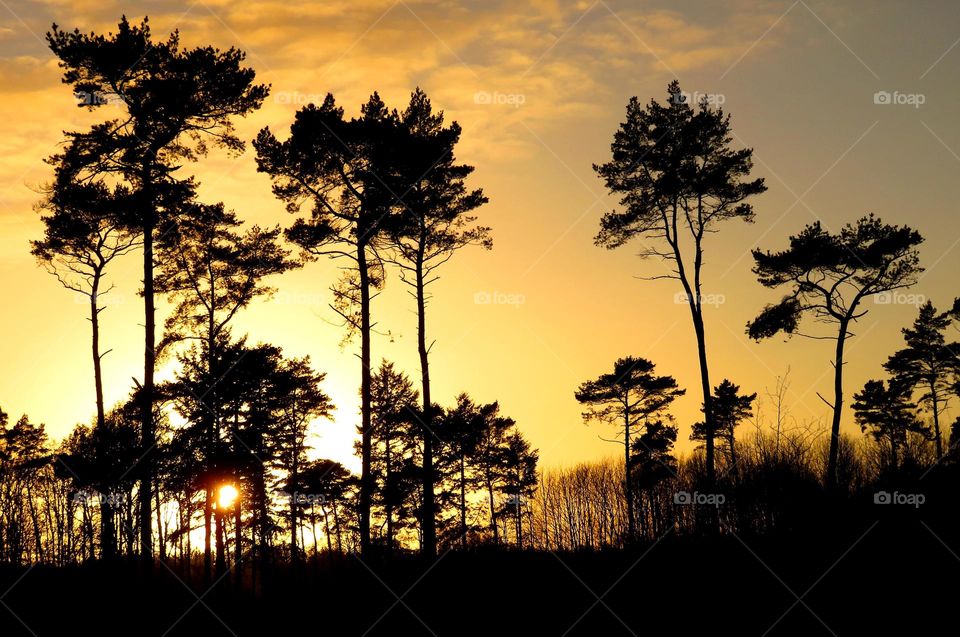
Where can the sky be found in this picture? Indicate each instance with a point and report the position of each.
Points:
(849, 110)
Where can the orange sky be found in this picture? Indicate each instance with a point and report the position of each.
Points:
(539, 89)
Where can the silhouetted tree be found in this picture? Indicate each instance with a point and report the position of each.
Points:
(329, 481)
(928, 364)
(628, 396)
(175, 103)
(302, 402)
(730, 408)
(336, 165)
(829, 276)
(460, 429)
(519, 479)
(886, 413)
(677, 178)
(651, 463)
(431, 224)
(213, 271)
(83, 234)
(395, 433)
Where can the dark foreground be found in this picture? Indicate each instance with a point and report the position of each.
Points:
(888, 576)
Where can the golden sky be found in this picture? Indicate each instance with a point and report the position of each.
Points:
(539, 88)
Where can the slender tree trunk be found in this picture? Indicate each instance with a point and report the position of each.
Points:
(463, 502)
(238, 535)
(837, 407)
(221, 561)
(366, 476)
(708, 416)
(429, 542)
(493, 509)
(149, 360)
(207, 532)
(108, 540)
(936, 417)
(627, 483)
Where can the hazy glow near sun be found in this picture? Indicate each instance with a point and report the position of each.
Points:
(226, 496)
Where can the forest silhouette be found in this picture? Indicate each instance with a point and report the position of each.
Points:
(196, 504)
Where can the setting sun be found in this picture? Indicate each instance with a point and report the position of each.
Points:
(227, 496)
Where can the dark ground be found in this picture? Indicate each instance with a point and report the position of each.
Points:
(885, 576)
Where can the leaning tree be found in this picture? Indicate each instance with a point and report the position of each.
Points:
(678, 179)
(829, 276)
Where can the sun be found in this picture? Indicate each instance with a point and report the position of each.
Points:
(226, 496)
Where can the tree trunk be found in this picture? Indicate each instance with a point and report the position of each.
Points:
(207, 532)
(366, 477)
(108, 540)
(463, 502)
(146, 399)
(429, 542)
(837, 408)
(627, 485)
(936, 417)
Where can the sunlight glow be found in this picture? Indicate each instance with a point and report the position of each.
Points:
(227, 496)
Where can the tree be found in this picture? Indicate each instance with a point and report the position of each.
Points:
(175, 103)
(628, 396)
(730, 408)
(336, 165)
(520, 479)
(886, 413)
(302, 402)
(460, 429)
(395, 430)
(213, 271)
(651, 463)
(677, 178)
(489, 456)
(830, 275)
(329, 481)
(433, 222)
(83, 234)
(928, 364)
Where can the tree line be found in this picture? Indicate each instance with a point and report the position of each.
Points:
(381, 192)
